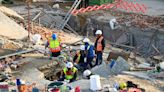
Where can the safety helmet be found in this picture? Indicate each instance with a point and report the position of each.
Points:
(86, 73)
(22, 82)
(123, 85)
(82, 47)
(98, 32)
(54, 36)
(69, 65)
(86, 40)
(162, 65)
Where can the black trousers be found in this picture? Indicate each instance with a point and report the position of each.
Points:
(55, 54)
(86, 3)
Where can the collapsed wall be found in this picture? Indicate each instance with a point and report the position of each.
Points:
(145, 33)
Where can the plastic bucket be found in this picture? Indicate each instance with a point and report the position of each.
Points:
(95, 82)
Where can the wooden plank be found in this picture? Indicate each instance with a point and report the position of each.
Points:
(122, 45)
(17, 53)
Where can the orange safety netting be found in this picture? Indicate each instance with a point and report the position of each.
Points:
(120, 4)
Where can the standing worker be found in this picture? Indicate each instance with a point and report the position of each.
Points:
(81, 4)
(89, 50)
(99, 47)
(54, 46)
(69, 73)
(86, 3)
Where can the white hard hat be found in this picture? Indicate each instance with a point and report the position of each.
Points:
(69, 65)
(162, 65)
(82, 47)
(86, 73)
(86, 40)
(22, 82)
(98, 32)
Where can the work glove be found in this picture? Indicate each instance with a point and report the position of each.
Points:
(85, 60)
(75, 64)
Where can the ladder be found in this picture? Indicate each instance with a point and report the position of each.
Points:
(68, 15)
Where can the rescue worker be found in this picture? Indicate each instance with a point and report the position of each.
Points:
(54, 46)
(86, 3)
(99, 47)
(69, 73)
(81, 4)
(89, 50)
(80, 59)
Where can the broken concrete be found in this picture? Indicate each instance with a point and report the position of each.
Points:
(11, 29)
(144, 36)
(31, 74)
(10, 12)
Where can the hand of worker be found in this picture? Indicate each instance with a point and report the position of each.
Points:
(85, 60)
(75, 64)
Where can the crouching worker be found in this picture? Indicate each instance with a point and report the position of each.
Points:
(54, 46)
(80, 59)
(69, 73)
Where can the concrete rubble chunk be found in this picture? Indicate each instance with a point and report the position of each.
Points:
(11, 29)
(140, 59)
(10, 12)
(116, 54)
(160, 57)
(104, 70)
(144, 65)
(101, 70)
(120, 65)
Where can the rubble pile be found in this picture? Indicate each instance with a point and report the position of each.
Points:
(11, 45)
(9, 28)
(9, 12)
(62, 36)
(37, 66)
(139, 20)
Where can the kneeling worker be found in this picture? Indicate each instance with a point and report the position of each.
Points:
(54, 46)
(80, 59)
(69, 73)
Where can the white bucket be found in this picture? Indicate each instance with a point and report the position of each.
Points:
(95, 82)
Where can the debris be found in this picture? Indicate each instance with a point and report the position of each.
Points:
(140, 59)
(159, 57)
(11, 45)
(62, 36)
(143, 75)
(160, 75)
(56, 6)
(144, 65)
(17, 53)
(36, 38)
(11, 29)
(101, 70)
(120, 65)
(115, 55)
(10, 12)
